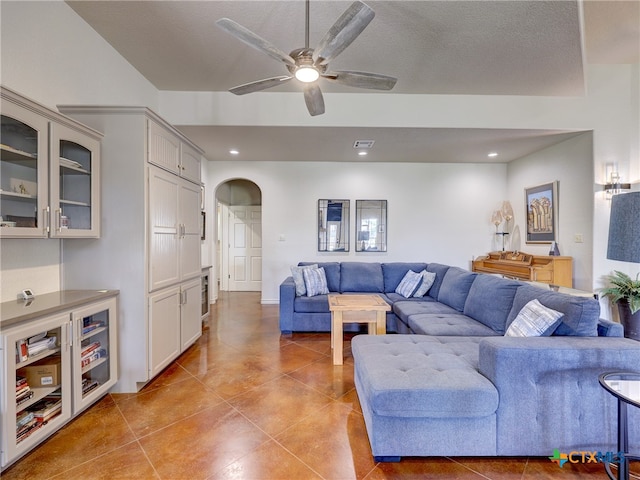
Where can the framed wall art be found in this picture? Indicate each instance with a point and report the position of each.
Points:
(371, 225)
(541, 203)
(333, 225)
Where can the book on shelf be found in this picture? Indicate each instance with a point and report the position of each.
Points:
(40, 346)
(27, 430)
(24, 418)
(91, 326)
(95, 355)
(46, 408)
(20, 382)
(87, 350)
(22, 351)
(22, 390)
(24, 398)
(89, 385)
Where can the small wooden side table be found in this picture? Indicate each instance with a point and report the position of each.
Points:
(355, 308)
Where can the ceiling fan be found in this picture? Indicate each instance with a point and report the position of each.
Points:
(308, 65)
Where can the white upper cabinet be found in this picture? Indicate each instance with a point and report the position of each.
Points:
(49, 172)
(167, 151)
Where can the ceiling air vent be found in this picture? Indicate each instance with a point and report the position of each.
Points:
(363, 143)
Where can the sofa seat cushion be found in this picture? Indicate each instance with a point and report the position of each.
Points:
(580, 313)
(396, 297)
(406, 307)
(362, 277)
(316, 304)
(455, 324)
(420, 376)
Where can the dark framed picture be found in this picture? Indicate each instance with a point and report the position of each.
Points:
(541, 203)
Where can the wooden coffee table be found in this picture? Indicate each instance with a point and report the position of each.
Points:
(355, 308)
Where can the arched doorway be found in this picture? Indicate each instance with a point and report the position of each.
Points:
(239, 239)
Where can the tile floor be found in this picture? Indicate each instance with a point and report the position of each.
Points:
(248, 403)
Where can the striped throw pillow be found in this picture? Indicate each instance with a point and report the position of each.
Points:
(315, 281)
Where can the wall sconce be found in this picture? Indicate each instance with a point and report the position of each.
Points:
(615, 186)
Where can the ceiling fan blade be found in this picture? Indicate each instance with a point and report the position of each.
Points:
(247, 36)
(351, 24)
(313, 99)
(374, 81)
(259, 85)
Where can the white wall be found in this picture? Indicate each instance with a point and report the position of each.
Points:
(49, 54)
(571, 164)
(436, 212)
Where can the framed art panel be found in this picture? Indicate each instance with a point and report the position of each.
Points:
(333, 225)
(541, 203)
(371, 225)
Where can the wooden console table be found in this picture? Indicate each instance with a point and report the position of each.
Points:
(553, 270)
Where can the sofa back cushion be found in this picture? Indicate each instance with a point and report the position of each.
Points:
(580, 313)
(361, 277)
(331, 271)
(394, 272)
(455, 287)
(490, 300)
(440, 271)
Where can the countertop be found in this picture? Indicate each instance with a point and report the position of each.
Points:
(19, 311)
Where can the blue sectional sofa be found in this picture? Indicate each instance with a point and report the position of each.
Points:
(451, 383)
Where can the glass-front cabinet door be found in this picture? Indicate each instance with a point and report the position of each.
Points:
(23, 173)
(94, 353)
(74, 187)
(37, 359)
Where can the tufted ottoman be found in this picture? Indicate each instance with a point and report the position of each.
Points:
(423, 396)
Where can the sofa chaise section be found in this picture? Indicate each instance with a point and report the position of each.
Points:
(499, 396)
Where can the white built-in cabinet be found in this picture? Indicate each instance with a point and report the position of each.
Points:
(174, 229)
(59, 356)
(150, 243)
(49, 172)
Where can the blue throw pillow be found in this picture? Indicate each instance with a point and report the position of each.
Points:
(298, 279)
(427, 281)
(315, 281)
(409, 284)
(534, 320)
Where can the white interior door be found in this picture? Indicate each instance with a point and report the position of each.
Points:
(245, 248)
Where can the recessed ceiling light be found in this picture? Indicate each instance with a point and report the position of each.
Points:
(233, 151)
(362, 153)
(493, 154)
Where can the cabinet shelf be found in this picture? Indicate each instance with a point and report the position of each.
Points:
(91, 333)
(94, 364)
(73, 202)
(39, 356)
(19, 157)
(69, 170)
(38, 394)
(22, 197)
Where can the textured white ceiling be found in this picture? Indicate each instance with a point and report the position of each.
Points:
(480, 47)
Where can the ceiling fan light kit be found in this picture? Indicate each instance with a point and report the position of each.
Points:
(308, 65)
